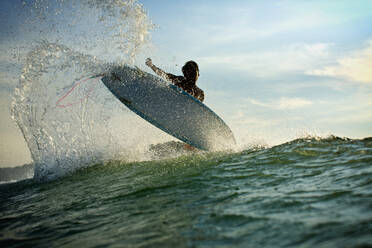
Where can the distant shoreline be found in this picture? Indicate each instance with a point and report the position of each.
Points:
(9, 174)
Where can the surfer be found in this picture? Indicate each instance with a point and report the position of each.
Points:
(187, 82)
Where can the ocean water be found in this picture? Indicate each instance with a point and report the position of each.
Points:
(306, 193)
(103, 177)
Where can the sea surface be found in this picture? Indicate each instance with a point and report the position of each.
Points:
(309, 192)
(103, 177)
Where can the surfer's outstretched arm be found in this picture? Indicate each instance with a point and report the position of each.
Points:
(160, 72)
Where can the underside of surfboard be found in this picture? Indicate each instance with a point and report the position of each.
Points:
(169, 108)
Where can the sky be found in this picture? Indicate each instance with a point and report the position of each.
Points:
(273, 70)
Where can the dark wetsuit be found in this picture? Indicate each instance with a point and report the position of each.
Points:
(186, 85)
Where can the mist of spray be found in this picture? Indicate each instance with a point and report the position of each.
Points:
(67, 116)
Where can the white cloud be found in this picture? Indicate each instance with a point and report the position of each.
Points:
(249, 21)
(292, 103)
(356, 67)
(240, 118)
(258, 103)
(295, 58)
(283, 103)
(358, 116)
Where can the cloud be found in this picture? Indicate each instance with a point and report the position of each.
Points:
(259, 103)
(356, 67)
(358, 116)
(292, 103)
(294, 58)
(283, 103)
(237, 21)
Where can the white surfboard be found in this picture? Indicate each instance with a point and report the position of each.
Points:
(169, 108)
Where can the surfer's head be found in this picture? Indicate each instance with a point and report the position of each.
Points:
(191, 70)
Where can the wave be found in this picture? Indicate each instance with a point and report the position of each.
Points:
(311, 151)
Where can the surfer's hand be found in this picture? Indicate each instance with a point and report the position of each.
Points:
(149, 62)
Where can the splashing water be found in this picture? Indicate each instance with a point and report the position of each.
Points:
(95, 128)
(114, 30)
(82, 93)
(68, 119)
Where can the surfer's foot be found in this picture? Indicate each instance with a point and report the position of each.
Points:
(189, 147)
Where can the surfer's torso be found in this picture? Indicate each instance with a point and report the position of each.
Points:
(187, 85)
(187, 82)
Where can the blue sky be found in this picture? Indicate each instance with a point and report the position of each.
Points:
(273, 70)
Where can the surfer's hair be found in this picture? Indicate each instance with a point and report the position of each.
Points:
(190, 70)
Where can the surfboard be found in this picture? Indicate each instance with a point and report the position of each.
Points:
(169, 108)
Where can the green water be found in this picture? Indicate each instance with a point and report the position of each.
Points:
(306, 193)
